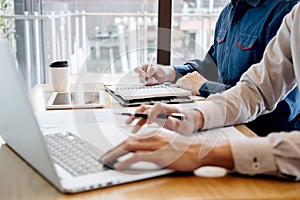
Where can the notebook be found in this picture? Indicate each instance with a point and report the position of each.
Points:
(23, 134)
(134, 95)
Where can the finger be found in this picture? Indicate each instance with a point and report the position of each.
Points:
(154, 111)
(141, 74)
(152, 81)
(142, 78)
(129, 145)
(173, 124)
(113, 154)
(129, 120)
(137, 70)
(136, 157)
(151, 70)
(138, 125)
(150, 75)
(144, 68)
(160, 108)
(165, 107)
(142, 108)
(126, 163)
(171, 109)
(141, 69)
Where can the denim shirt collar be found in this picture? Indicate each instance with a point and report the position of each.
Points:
(253, 3)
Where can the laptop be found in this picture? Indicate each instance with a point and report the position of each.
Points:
(40, 146)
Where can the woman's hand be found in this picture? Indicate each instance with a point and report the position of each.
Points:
(174, 151)
(155, 74)
(193, 119)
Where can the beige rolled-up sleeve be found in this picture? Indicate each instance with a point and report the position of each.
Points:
(277, 154)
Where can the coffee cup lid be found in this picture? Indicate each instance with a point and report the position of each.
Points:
(59, 64)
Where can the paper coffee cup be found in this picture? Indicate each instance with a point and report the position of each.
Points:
(60, 76)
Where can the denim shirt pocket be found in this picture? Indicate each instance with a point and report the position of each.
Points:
(246, 42)
(221, 36)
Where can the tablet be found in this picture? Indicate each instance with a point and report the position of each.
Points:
(71, 100)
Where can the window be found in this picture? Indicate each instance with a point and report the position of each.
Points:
(103, 37)
(193, 25)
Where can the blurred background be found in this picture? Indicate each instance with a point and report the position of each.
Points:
(107, 37)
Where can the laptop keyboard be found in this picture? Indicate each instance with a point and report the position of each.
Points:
(70, 153)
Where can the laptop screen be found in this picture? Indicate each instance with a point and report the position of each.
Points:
(18, 126)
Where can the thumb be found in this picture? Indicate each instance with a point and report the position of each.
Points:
(173, 124)
(150, 71)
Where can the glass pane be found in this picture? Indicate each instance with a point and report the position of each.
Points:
(96, 36)
(119, 34)
(193, 28)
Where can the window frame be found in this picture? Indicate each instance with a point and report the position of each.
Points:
(164, 32)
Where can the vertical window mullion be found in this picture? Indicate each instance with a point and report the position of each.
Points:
(164, 32)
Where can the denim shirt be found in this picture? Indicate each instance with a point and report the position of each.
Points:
(242, 33)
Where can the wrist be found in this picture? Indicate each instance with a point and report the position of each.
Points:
(198, 119)
(199, 85)
(220, 155)
(196, 90)
(170, 74)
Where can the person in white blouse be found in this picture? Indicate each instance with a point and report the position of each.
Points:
(258, 92)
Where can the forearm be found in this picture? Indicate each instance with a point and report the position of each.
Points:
(218, 155)
(182, 70)
(206, 67)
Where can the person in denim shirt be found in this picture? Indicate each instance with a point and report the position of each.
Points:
(242, 33)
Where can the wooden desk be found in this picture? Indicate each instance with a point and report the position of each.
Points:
(19, 181)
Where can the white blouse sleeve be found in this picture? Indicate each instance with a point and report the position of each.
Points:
(277, 154)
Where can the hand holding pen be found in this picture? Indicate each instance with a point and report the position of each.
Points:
(147, 114)
(154, 74)
(166, 116)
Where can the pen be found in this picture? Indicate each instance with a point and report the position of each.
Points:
(179, 116)
(149, 65)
